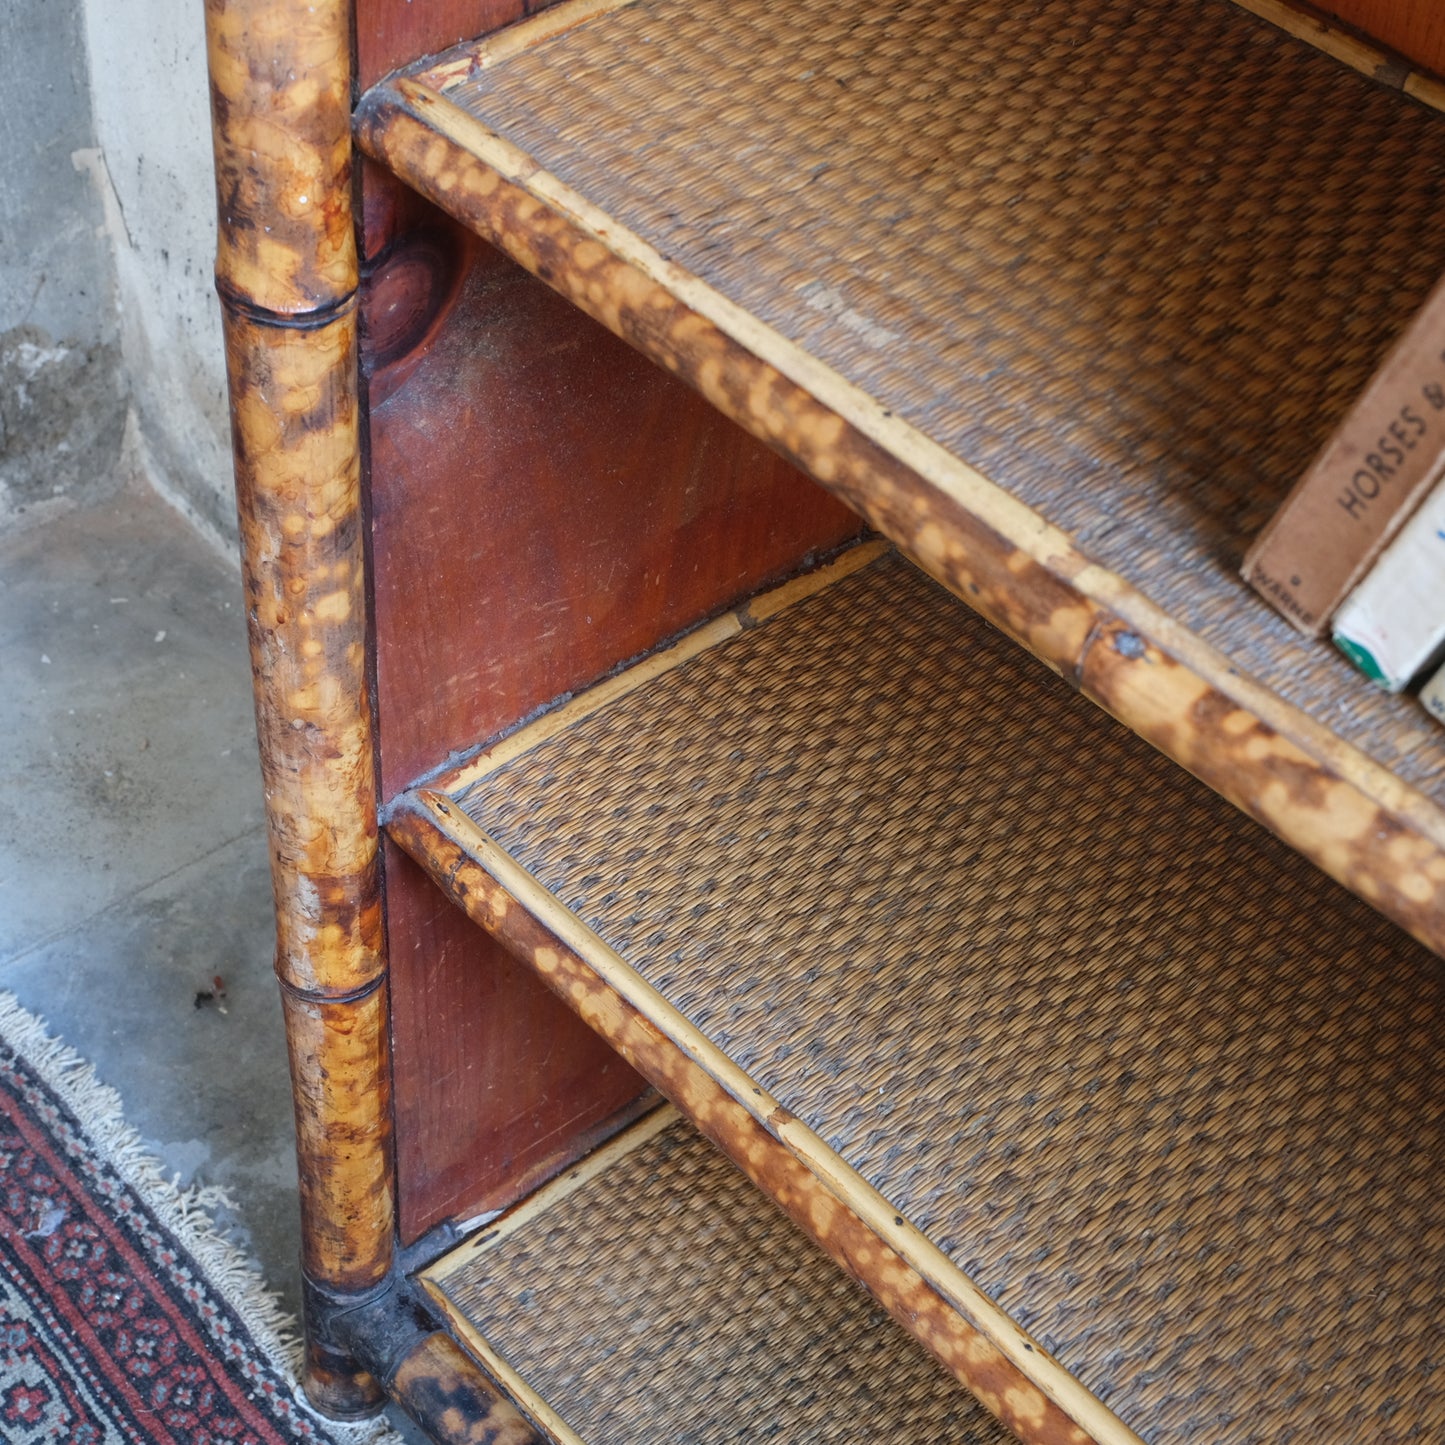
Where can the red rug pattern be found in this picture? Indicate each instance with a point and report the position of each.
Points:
(111, 1331)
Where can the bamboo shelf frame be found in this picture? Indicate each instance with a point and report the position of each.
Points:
(652, 1295)
(1130, 1136)
(1083, 1113)
(1101, 526)
(287, 274)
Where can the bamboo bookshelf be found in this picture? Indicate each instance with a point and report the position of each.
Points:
(1117, 1087)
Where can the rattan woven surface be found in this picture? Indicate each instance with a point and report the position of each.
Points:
(1170, 1096)
(668, 1303)
(1131, 258)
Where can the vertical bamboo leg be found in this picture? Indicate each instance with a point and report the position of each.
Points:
(286, 272)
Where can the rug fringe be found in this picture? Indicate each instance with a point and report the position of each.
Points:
(186, 1212)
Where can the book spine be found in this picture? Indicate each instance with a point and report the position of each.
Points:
(1393, 624)
(1433, 695)
(1365, 481)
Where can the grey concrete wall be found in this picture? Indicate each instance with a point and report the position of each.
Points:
(107, 311)
(62, 391)
(54, 268)
(152, 123)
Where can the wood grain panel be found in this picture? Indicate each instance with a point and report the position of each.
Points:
(545, 502)
(1416, 28)
(497, 1085)
(392, 33)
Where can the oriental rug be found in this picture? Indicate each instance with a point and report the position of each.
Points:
(126, 1317)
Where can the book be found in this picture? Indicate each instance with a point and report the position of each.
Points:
(1381, 459)
(1393, 624)
(1433, 695)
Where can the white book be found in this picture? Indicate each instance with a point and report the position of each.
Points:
(1392, 625)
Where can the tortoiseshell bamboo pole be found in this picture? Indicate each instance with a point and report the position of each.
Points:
(287, 274)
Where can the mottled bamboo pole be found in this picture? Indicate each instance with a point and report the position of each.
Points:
(287, 274)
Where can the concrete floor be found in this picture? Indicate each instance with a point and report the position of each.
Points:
(133, 866)
(133, 869)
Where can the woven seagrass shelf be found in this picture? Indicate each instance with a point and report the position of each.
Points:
(654, 1296)
(1010, 1007)
(1042, 931)
(1061, 300)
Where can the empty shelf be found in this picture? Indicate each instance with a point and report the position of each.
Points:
(1153, 1105)
(653, 1295)
(1117, 269)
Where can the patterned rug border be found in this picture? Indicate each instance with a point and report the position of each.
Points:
(186, 1213)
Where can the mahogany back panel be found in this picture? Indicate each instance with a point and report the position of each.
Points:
(1416, 28)
(544, 505)
(393, 33)
(497, 1085)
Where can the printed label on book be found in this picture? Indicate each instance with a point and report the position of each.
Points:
(1365, 482)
